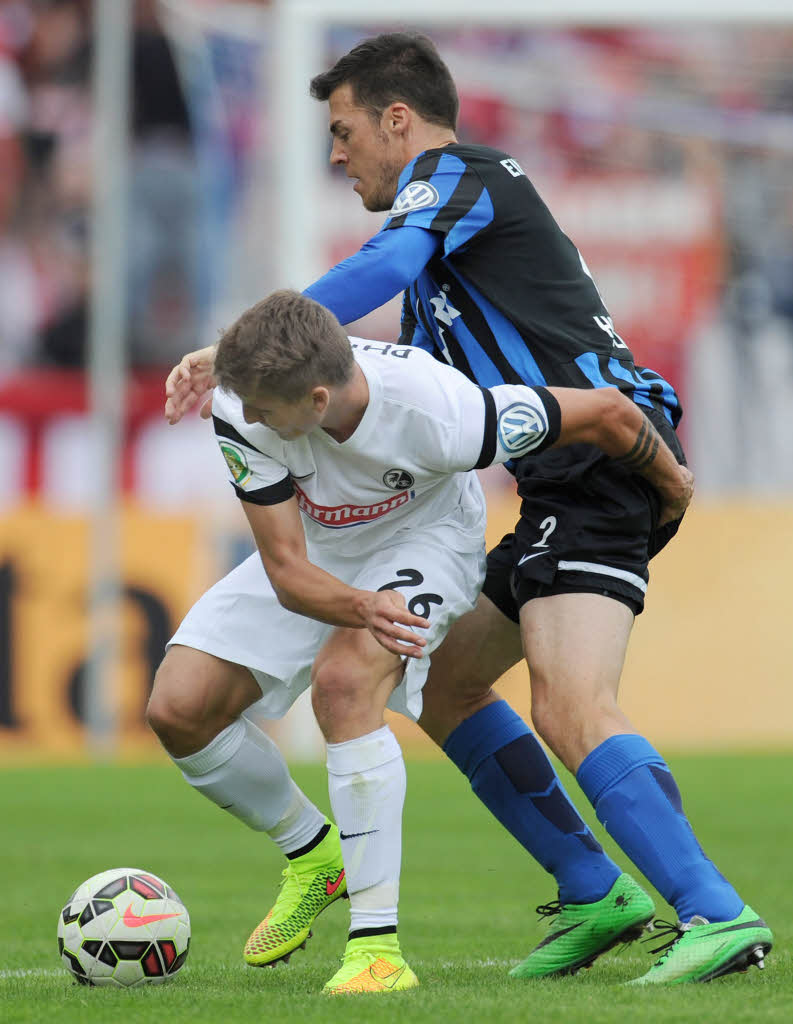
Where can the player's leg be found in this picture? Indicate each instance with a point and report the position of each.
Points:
(352, 679)
(507, 767)
(596, 526)
(478, 650)
(196, 709)
(201, 692)
(575, 646)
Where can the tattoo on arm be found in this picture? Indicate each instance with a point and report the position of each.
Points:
(644, 449)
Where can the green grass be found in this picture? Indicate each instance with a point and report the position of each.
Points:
(468, 893)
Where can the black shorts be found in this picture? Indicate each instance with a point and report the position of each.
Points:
(586, 526)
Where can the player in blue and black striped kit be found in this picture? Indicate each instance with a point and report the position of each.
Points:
(492, 285)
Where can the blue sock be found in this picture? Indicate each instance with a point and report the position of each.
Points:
(512, 776)
(635, 796)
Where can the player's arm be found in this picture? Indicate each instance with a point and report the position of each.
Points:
(417, 227)
(302, 587)
(608, 419)
(190, 381)
(520, 421)
(411, 331)
(382, 267)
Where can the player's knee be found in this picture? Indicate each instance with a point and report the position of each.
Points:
(165, 716)
(338, 682)
(552, 718)
(195, 696)
(443, 709)
(176, 714)
(468, 690)
(570, 726)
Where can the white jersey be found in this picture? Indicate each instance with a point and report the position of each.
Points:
(405, 464)
(390, 507)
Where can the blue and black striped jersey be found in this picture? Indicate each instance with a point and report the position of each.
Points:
(507, 297)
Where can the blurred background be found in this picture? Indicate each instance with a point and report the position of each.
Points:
(664, 149)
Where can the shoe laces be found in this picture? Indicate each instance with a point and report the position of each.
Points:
(360, 955)
(290, 891)
(673, 931)
(549, 909)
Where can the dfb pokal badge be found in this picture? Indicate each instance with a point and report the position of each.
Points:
(236, 461)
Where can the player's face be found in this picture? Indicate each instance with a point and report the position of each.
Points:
(289, 420)
(365, 149)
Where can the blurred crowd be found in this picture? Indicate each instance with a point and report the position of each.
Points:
(711, 101)
(45, 188)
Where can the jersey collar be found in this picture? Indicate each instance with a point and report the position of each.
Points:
(364, 430)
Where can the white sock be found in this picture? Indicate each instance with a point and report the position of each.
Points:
(242, 771)
(366, 782)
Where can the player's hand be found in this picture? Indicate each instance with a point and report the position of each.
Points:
(677, 499)
(190, 381)
(386, 616)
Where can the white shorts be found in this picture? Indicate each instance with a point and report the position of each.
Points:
(240, 619)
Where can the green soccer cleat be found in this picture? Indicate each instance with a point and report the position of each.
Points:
(583, 931)
(311, 883)
(371, 964)
(701, 951)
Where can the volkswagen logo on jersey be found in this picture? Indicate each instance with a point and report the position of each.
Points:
(417, 195)
(521, 427)
(398, 479)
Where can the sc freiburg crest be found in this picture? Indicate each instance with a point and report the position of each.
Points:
(417, 195)
(521, 428)
(398, 479)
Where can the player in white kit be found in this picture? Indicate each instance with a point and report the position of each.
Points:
(351, 460)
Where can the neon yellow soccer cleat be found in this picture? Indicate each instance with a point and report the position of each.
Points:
(372, 964)
(310, 884)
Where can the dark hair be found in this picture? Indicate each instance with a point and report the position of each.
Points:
(285, 345)
(395, 66)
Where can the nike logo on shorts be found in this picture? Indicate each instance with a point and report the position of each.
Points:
(536, 554)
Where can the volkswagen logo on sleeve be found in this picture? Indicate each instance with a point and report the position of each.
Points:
(521, 427)
(417, 195)
(398, 479)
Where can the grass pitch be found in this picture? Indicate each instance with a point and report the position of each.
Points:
(467, 906)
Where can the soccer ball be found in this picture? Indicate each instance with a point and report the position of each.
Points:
(123, 927)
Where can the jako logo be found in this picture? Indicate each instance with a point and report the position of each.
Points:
(418, 195)
(521, 428)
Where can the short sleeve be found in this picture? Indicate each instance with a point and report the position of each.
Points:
(256, 477)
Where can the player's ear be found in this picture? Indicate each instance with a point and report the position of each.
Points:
(396, 118)
(320, 397)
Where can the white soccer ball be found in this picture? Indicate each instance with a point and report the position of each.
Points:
(123, 927)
